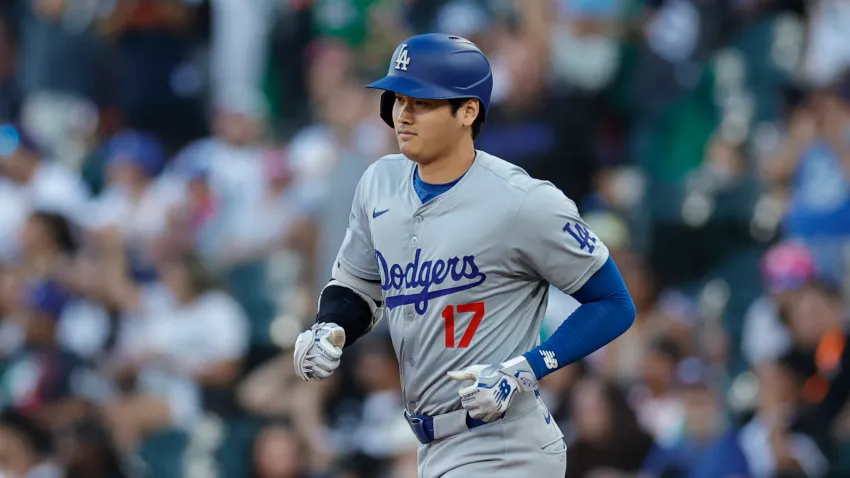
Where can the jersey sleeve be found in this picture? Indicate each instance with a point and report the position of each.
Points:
(357, 252)
(553, 242)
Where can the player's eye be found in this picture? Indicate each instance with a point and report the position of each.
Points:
(423, 103)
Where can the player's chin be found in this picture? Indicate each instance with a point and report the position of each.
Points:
(409, 148)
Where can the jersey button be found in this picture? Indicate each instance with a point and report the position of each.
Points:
(418, 218)
(415, 240)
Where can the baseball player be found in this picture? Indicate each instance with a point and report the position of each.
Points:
(455, 248)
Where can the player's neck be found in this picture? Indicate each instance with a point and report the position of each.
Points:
(447, 168)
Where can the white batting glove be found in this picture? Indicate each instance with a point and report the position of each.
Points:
(318, 350)
(494, 387)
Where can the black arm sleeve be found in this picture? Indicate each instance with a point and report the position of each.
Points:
(345, 308)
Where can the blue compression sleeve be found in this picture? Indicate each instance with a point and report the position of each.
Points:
(606, 311)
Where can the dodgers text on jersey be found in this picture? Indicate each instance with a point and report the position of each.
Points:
(462, 274)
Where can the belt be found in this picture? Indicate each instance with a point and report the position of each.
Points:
(429, 428)
(446, 425)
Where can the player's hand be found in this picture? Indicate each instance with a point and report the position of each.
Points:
(318, 350)
(493, 387)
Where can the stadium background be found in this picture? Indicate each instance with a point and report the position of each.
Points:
(177, 176)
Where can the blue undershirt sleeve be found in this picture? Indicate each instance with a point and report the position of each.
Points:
(605, 313)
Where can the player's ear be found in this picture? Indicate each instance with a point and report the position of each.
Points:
(470, 111)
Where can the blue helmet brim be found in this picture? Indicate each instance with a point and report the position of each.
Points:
(413, 88)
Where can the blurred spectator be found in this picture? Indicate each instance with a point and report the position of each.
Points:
(544, 131)
(813, 161)
(587, 54)
(819, 327)
(62, 74)
(157, 83)
(659, 314)
(60, 52)
(556, 393)
(707, 445)
(225, 218)
(8, 89)
(827, 55)
(26, 448)
(239, 46)
(86, 451)
(277, 453)
(87, 325)
(166, 345)
(658, 407)
(608, 438)
(267, 391)
(786, 437)
(49, 248)
(328, 158)
(278, 220)
(785, 267)
(232, 165)
(136, 201)
(310, 407)
(34, 183)
(341, 128)
(48, 244)
(382, 431)
(39, 377)
(624, 360)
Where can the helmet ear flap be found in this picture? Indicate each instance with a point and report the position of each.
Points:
(387, 101)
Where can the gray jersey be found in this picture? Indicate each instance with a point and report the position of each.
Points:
(464, 277)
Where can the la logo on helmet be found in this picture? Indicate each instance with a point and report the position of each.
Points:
(403, 60)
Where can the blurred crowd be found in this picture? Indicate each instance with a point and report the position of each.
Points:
(177, 177)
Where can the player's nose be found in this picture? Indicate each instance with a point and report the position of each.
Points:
(404, 116)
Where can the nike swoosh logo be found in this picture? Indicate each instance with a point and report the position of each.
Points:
(376, 213)
(548, 417)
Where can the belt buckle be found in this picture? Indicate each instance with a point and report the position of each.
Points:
(417, 425)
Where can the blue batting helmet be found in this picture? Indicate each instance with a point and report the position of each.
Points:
(436, 66)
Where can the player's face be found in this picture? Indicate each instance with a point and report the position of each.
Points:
(425, 129)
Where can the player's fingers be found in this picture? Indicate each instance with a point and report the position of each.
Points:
(322, 374)
(337, 337)
(477, 414)
(468, 392)
(305, 370)
(461, 375)
(326, 349)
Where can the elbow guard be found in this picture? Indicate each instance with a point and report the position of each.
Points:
(349, 302)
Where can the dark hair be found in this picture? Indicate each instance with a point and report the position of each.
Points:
(201, 278)
(456, 103)
(668, 348)
(799, 364)
(60, 230)
(35, 435)
(279, 423)
(827, 288)
(283, 422)
(623, 417)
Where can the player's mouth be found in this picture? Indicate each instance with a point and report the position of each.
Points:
(406, 134)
